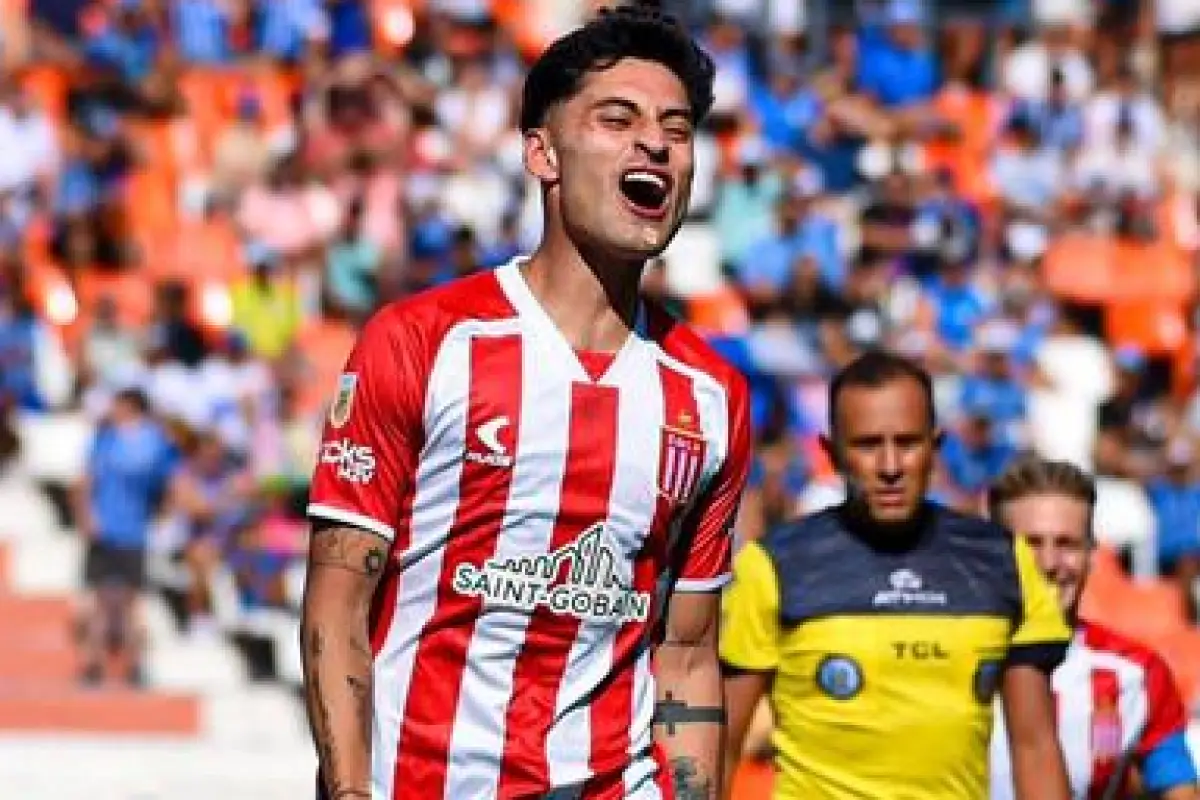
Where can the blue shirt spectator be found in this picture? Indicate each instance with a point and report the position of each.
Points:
(201, 31)
(128, 467)
(124, 46)
(959, 306)
(349, 27)
(901, 69)
(784, 108)
(18, 344)
(1176, 502)
(287, 26)
(973, 458)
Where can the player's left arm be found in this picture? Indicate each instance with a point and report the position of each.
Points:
(1036, 648)
(1164, 761)
(690, 716)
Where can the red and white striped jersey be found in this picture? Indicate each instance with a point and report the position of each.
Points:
(1116, 702)
(540, 504)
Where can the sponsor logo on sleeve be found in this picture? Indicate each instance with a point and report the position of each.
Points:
(343, 401)
(355, 463)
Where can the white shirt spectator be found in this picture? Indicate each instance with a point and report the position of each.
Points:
(1177, 16)
(1062, 418)
(1110, 171)
(28, 149)
(1026, 72)
(1102, 112)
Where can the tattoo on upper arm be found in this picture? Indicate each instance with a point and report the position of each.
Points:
(689, 784)
(334, 547)
(671, 713)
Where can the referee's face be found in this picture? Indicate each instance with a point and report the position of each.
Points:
(885, 445)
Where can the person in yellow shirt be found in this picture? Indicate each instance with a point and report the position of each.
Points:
(882, 628)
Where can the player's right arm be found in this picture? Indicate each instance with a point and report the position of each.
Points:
(750, 635)
(365, 465)
(1164, 761)
(344, 565)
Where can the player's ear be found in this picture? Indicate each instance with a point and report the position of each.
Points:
(541, 158)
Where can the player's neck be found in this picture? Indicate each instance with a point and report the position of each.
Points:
(593, 303)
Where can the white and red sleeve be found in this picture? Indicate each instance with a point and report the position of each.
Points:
(707, 564)
(1165, 708)
(373, 432)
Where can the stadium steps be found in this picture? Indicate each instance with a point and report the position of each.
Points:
(38, 675)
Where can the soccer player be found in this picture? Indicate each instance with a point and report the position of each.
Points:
(1119, 713)
(883, 627)
(526, 482)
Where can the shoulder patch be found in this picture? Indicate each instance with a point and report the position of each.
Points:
(343, 401)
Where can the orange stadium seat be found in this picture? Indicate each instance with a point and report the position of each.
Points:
(1088, 268)
(47, 85)
(325, 345)
(150, 201)
(1157, 327)
(1142, 610)
(718, 312)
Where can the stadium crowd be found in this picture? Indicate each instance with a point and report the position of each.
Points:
(201, 200)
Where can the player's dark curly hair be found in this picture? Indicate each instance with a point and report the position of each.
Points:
(636, 30)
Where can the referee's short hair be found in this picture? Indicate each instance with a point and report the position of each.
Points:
(874, 369)
(1031, 475)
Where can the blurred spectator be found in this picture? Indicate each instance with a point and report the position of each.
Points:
(291, 213)
(992, 386)
(898, 68)
(1028, 175)
(288, 28)
(352, 267)
(1115, 178)
(476, 112)
(202, 31)
(126, 474)
(958, 305)
(266, 305)
(744, 211)
(112, 354)
(210, 496)
(29, 151)
(20, 333)
(1175, 496)
(1128, 423)
(1124, 109)
(241, 153)
(974, 454)
(1028, 69)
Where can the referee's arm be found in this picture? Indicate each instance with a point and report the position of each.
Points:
(1038, 646)
(749, 646)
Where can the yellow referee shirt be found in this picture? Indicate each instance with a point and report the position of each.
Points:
(886, 660)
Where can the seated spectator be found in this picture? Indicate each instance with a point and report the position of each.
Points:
(127, 471)
(264, 551)
(1125, 104)
(351, 268)
(900, 69)
(286, 31)
(20, 332)
(241, 152)
(202, 31)
(1175, 497)
(744, 212)
(1028, 176)
(993, 386)
(1026, 70)
(112, 353)
(266, 306)
(1116, 182)
(210, 495)
(957, 304)
(974, 455)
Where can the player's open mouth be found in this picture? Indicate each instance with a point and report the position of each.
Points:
(646, 191)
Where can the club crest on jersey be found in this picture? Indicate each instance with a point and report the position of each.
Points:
(681, 460)
(343, 401)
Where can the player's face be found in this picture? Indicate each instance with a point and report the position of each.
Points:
(885, 444)
(1056, 527)
(618, 160)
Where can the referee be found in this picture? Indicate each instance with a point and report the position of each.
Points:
(882, 628)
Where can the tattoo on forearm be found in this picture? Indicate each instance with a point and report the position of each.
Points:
(331, 547)
(671, 713)
(689, 784)
(359, 686)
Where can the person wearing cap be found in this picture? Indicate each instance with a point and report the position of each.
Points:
(976, 453)
(1175, 497)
